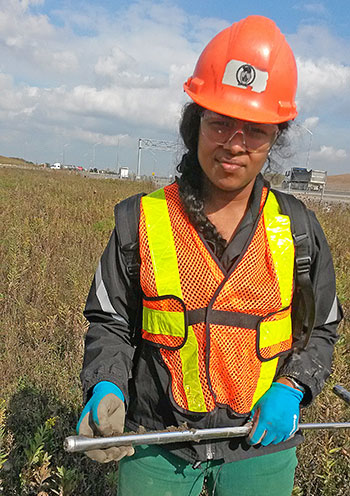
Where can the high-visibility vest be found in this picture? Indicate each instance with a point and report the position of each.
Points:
(220, 335)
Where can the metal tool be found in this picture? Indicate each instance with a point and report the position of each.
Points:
(342, 393)
(81, 443)
(74, 444)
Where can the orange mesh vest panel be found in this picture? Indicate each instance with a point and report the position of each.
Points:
(220, 335)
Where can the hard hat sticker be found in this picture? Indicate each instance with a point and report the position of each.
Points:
(243, 75)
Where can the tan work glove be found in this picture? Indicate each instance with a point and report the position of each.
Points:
(104, 415)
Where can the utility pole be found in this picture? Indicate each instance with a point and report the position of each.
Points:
(64, 154)
(117, 154)
(94, 154)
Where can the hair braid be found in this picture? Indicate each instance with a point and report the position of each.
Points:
(191, 195)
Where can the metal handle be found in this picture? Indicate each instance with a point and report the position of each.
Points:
(342, 393)
(75, 444)
(82, 443)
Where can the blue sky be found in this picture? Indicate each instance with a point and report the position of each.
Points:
(83, 81)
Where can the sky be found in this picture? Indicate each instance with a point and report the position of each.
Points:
(82, 82)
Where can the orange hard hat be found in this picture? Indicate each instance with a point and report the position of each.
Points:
(247, 71)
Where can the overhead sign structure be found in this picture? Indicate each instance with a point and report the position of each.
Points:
(162, 145)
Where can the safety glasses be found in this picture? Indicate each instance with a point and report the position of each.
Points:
(221, 129)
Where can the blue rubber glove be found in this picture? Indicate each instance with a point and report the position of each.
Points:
(104, 414)
(99, 392)
(275, 415)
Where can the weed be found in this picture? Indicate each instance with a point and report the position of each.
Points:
(68, 480)
(54, 229)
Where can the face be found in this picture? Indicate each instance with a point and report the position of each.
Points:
(234, 165)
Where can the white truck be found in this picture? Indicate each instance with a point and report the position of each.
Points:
(123, 172)
(56, 165)
(300, 178)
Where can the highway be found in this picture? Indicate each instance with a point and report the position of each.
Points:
(328, 196)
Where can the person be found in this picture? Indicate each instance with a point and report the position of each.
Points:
(200, 329)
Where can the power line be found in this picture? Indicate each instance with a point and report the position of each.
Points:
(162, 145)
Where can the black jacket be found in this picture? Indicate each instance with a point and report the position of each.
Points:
(114, 351)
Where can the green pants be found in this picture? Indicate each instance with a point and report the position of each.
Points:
(153, 471)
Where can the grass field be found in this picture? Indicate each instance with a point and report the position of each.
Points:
(53, 231)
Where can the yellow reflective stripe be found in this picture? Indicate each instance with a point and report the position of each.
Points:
(172, 324)
(165, 323)
(190, 372)
(161, 244)
(267, 374)
(281, 245)
(274, 332)
(282, 250)
(166, 273)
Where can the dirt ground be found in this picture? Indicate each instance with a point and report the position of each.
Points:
(340, 182)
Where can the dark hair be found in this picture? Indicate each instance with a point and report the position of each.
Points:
(190, 182)
(189, 126)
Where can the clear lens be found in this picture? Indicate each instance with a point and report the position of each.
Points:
(221, 129)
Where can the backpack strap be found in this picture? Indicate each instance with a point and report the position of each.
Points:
(304, 243)
(127, 216)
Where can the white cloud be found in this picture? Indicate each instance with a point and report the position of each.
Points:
(27, 3)
(333, 160)
(329, 153)
(101, 139)
(318, 78)
(317, 8)
(116, 62)
(322, 82)
(31, 46)
(112, 76)
(122, 69)
(20, 28)
(16, 100)
(311, 122)
(157, 107)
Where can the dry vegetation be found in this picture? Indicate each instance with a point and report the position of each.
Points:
(14, 161)
(54, 228)
(339, 182)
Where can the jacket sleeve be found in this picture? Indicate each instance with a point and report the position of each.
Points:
(313, 365)
(113, 311)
